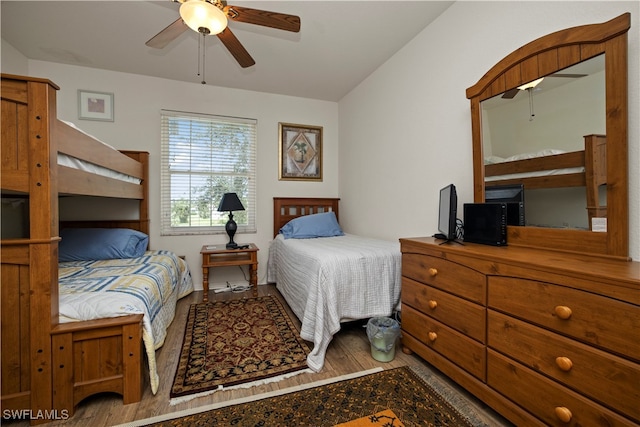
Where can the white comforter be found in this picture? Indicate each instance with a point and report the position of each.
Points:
(329, 280)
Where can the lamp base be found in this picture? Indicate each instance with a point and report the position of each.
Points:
(231, 227)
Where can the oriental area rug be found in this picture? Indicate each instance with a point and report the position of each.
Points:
(395, 397)
(234, 343)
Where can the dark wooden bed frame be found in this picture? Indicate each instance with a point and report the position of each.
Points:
(47, 365)
(287, 208)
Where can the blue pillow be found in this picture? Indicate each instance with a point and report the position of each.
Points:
(87, 244)
(310, 226)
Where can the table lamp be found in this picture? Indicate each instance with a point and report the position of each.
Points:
(230, 202)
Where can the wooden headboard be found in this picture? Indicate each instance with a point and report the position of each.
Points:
(287, 208)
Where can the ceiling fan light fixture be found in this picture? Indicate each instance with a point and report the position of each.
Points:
(199, 14)
(532, 84)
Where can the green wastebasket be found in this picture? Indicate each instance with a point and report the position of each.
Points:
(383, 332)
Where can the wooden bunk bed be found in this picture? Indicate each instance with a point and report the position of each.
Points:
(46, 365)
(586, 168)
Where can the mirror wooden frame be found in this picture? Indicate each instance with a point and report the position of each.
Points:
(545, 56)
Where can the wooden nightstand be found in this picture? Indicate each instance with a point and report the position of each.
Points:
(220, 256)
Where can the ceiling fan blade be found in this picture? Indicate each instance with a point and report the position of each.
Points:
(511, 93)
(572, 76)
(276, 20)
(166, 36)
(235, 47)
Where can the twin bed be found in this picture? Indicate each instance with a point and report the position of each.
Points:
(328, 277)
(150, 284)
(57, 347)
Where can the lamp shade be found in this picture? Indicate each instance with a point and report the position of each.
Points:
(229, 203)
(199, 14)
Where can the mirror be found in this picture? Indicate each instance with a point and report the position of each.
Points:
(552, 117)
(557, 53)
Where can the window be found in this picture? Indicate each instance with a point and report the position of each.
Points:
(203, 157)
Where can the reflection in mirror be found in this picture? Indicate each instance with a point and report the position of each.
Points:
(606, 160)
(550, 118)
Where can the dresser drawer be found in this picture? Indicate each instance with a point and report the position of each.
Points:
(545, 398)
(446, 275)
(590, 318)
(594, 373)
(459, 349)
(460, 314)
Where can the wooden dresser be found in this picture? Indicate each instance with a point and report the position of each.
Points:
(543, 337)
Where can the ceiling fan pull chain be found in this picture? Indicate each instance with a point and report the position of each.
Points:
(203, 58)
(532, 115)
(199, 47)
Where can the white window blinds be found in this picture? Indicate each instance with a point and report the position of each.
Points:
(203, 157)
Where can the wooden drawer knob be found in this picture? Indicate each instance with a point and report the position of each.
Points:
(563, 414)
(564, 363)
(433, 271)
(432, 336)
(432, 304)
(563, 312)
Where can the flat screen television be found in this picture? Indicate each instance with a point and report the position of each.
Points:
(448, 210)
(513, 196)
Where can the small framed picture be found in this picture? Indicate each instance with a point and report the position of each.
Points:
(95, 105)
(300, 152)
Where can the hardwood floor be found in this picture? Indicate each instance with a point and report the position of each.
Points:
(349, 352)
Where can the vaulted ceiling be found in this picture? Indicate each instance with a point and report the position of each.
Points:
(339, 44)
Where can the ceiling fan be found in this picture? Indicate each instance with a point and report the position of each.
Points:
(210, 17)
(511, 93)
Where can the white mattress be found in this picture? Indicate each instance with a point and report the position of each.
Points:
(75, 163)
(330, 280)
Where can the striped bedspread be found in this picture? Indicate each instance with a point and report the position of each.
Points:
(150, 285)
(330, 280)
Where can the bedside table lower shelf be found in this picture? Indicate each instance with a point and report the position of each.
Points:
(219, 256)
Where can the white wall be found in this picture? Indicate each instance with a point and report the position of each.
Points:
(138, 100)
(13, 62)
(563, 116)
(405, 131)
